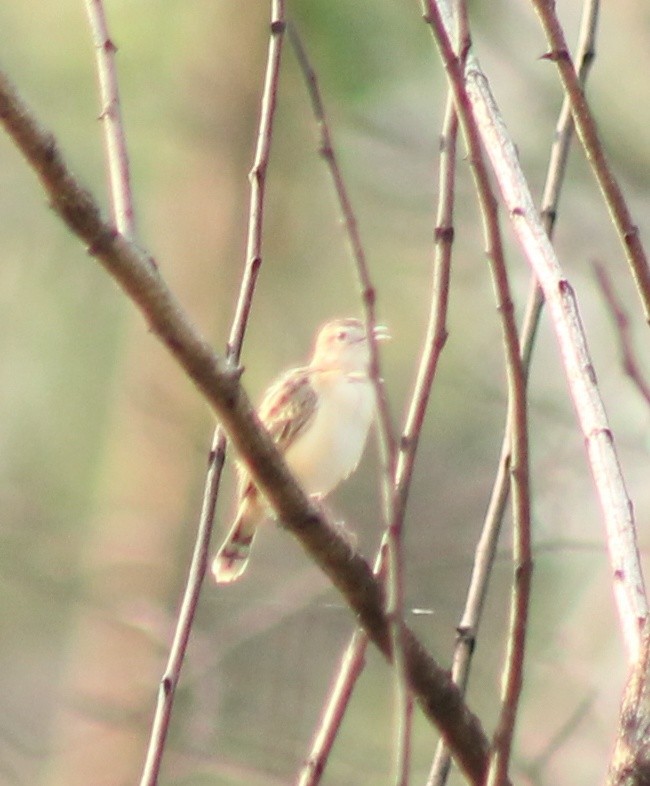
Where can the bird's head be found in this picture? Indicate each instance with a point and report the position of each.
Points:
(343, 344)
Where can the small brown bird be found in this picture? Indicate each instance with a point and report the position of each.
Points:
(319, 415)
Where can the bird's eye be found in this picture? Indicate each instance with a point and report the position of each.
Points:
(341, 335)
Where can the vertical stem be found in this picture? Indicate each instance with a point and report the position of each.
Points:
(352, 660)
(486, 547)
(517, 406)
(199, 560)
(387, 442)
(116, 149)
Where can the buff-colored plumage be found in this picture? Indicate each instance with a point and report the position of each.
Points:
(320, 416)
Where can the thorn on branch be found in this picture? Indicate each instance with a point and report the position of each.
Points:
(50, 151)
(555, 55)
(167, 685)
(102, 243)
(217, 454)
(255, 265)
(444, 234)
(549, 215)
(234, 373)
(467, 635)
(369, 296)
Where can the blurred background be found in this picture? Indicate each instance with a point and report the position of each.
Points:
(103, 444)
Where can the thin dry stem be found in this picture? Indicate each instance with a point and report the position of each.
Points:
(217, 456)
(517, 407)
(137, 274)
(395, 588)
(368, 292)
(487, 543)
(622, 322)
(627, 576)
(436, 336)
(338, 699)
(116, 149)
(587, 130)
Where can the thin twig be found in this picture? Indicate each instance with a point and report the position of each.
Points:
(513, 669)
(338, 699)
(368, 292)
(534, 771)
(436, 337)
(486, 547)
(622, 322)
(435, 340)
(137, 274)
(395, 588)
(116, 149)
(627, 576)
(217, 456)
(587, 130)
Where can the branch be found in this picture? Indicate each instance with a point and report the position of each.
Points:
(517, 409)
(352, 660)
(368, 292)
(338, 698)
(622, 321)
(116, 150)
(387, 442)
(486, 547)
(198, 565)
(587, 130)
(476, 103)
(137, 274)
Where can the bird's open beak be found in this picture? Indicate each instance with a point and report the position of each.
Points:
(381, 333)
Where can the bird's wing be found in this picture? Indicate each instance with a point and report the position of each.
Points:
(289, 406)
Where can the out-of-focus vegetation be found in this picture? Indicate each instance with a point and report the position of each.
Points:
(103, 443)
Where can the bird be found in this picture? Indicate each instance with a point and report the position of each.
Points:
(319, 415)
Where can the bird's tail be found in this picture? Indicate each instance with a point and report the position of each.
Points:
(232, 558)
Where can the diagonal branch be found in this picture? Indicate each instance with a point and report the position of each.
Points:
(587, 130)
(476, 102)
(486, 547)
(622, 322)
(517, 408)
(137, 274)
(387, 442)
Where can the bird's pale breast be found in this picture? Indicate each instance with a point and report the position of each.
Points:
(329, 449)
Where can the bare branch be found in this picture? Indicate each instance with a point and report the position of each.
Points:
(587, 130)
(338, 698)
(517, 407)
(198, 564)
(116, 150)
(435, 339)
(478, 105)
(622, 321)
(486, 546)
(368, 292)
(395, 589)
(138, 276)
